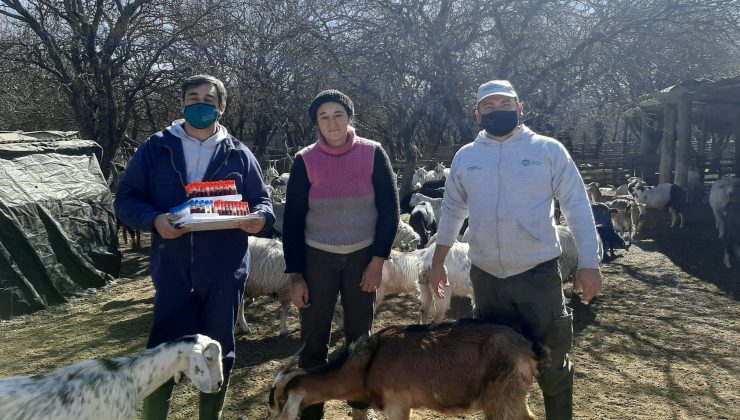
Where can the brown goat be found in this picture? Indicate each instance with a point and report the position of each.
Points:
(451, 368)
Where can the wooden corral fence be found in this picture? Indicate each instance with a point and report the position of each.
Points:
(612, 163)
(607, 171)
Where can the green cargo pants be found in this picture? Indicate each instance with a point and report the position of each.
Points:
(534, 297)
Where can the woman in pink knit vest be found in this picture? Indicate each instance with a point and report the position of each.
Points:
(341, 215)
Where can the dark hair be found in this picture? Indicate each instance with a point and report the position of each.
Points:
(199, 79)
(330, 95)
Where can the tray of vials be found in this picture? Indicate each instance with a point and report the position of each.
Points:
(212, 206)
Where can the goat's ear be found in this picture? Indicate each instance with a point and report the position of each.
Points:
(212, 352)
(177, 377)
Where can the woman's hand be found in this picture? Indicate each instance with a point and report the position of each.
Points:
(299, 291)
(372, 275)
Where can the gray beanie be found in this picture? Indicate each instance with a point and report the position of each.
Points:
(331, 95)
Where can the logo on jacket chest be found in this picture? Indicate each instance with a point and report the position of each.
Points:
(530, 162)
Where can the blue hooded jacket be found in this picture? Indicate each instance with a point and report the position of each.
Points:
(155, 181)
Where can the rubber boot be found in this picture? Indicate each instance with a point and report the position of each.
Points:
(157, 404)
(313, 412)
(211, 405)
(559, 406)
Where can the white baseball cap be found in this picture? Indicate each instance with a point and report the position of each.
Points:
(495, 87)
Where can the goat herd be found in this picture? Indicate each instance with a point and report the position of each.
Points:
(112, 388)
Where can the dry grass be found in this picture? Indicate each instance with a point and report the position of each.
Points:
(661, 343)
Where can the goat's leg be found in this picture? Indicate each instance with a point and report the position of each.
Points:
(441, 306)
(284, 308)
(730, 249)
(674, 217)
(506, 400)
(397, 412)
(427, 301)
(241, 318)
(137, 239)
(125, 234)
(292, 407)
(726, 259)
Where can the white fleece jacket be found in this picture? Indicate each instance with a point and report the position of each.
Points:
(198, 154)
(507, 189)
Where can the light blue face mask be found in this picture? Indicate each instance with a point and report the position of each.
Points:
(201, 115)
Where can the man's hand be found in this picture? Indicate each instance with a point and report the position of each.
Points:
(437, 278)
(588, 281)
(372, 276)
(164, 225)
(253, 225)
(299, 291)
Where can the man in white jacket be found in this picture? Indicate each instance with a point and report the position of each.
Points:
(505, 182)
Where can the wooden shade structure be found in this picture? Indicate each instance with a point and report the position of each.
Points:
(713, 107)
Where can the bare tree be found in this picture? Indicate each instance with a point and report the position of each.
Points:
(104, 54)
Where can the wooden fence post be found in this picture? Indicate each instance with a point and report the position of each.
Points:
(667, 145)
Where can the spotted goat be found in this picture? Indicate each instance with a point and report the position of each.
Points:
(111, 389)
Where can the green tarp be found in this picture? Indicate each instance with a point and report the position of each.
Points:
(57, 226)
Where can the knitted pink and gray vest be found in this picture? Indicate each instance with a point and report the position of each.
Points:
(341, 214)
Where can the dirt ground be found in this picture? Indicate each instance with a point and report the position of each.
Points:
(661, 342)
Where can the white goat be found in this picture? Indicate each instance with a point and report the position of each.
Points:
(452, 368)
(626, 189)
(719, 197)
(406, 237)
(457, 263)
(400, 275)
(568, 259)
(661, 196)
(266, 278)
(270, 174)
(440, 171)
(419, 177)
(111, 389)
(417, 198)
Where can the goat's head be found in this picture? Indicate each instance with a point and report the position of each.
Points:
(415, 199)
(733, 190)
(640, 193)
(633, 183)
(204, 365)
(270, 174)
(278, 398)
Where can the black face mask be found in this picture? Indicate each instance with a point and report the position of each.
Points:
(499, 123)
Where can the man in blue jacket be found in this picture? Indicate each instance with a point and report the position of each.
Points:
(198, 276)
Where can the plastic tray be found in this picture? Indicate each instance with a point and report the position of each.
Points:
(233, 197)
(198, 222)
